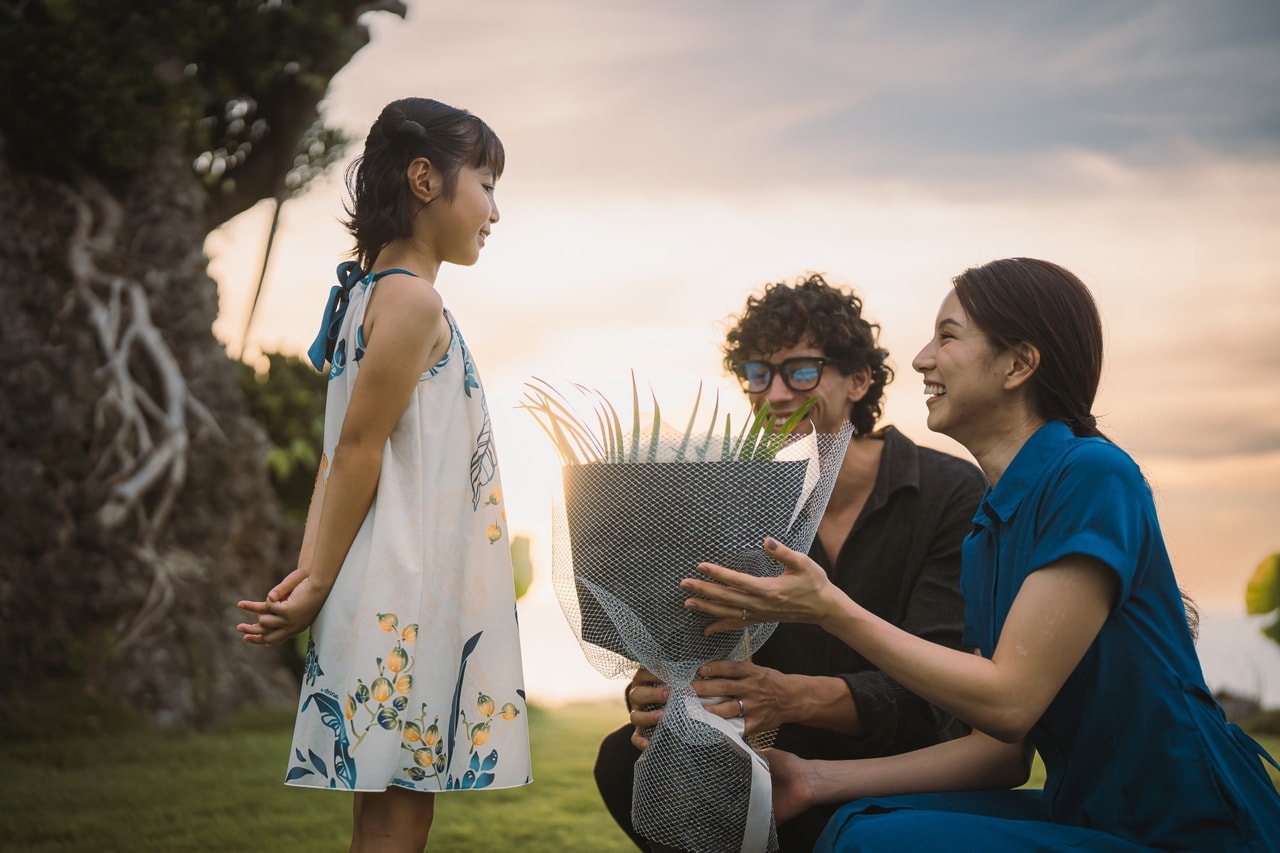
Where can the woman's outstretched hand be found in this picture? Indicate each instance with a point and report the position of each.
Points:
(802, 593)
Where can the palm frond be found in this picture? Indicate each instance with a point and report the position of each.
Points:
(688, 430)
(579, 441)
(657, 426)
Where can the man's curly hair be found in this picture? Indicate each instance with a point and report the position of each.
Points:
(815, 313)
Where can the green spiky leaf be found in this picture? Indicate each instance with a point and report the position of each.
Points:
(578, 442)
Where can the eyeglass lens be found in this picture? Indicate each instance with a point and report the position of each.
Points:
(798, 374)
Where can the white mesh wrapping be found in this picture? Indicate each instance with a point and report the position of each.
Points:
(625, 535)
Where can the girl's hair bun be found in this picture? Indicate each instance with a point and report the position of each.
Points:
(410, 129)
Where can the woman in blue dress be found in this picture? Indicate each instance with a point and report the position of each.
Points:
(1083, 650)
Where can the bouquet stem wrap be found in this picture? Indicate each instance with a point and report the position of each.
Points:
(626, 534)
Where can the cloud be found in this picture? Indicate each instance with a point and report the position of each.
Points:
(1208, 390)
(972, 92)
(736, 96)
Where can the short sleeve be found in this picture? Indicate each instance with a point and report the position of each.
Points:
(1098, 505)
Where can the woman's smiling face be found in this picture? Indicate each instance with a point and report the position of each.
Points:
(963, 380)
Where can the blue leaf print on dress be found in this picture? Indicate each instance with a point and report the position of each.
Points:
(477, 775)
(344, 766)
(311, 664)
(467, 649)
(360, 344)
(469, 379)
(339, 362)
(302, 771)
(484, 460)
(319, 763)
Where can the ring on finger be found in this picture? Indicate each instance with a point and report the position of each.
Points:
(742, 708)
(744, 614)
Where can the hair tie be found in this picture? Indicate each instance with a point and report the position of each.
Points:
(1083, 424)
(410, 129)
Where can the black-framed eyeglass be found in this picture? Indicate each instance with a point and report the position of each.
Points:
(799, 374)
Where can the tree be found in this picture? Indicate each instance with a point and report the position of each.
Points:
(287, 400)
(1262, 596)
(134, 501)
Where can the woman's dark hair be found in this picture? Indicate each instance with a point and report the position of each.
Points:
(381, 206)
(815, 313)
(1024, 300)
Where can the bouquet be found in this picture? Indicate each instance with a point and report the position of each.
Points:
(640, 509)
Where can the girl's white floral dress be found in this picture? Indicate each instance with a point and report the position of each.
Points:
(413, 673)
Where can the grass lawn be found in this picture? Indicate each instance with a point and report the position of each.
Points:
(103, 785)
(222, 791)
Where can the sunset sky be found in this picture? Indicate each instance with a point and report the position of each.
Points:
(665, 159)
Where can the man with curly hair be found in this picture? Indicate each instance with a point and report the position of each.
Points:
(890, 538)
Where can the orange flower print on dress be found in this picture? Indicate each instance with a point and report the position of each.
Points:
(382, 704)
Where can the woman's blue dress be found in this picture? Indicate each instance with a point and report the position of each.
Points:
(1137, 753)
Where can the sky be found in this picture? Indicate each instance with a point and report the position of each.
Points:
(666, 159)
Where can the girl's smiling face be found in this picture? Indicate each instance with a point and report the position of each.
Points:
(964, 379)
(452, 228)
(463, 221)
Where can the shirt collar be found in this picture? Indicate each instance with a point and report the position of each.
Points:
(899, 467)
(1045, 445)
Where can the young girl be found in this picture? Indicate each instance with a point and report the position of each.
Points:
(412, 682)
(1084, 652)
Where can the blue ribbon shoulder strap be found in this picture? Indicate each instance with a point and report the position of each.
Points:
(349, 274)
(335, 310)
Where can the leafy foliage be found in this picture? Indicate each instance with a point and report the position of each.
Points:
(1262, 596)
(521, 564)
(288, 401)
(102, 84)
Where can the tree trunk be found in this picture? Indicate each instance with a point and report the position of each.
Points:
(135, 507)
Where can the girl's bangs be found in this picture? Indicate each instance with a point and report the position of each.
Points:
(489, 152)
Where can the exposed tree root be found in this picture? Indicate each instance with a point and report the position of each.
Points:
(146, 451)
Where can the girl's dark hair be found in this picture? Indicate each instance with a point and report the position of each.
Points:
(830, 319)
(381, 207)
(1024, 300)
